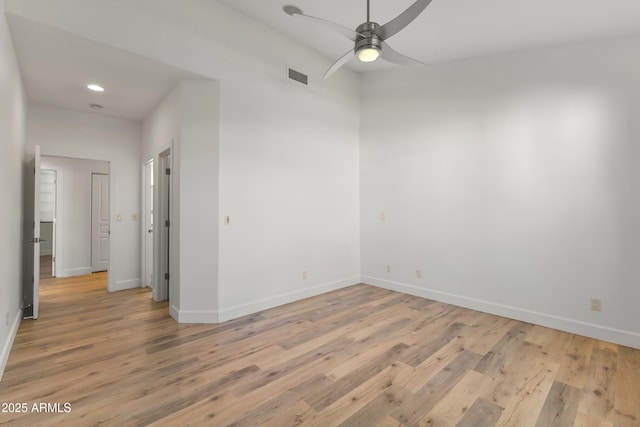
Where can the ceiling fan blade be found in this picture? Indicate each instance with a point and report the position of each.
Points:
(297, 13)
(339, 63)
(391, 55)
(405, 18)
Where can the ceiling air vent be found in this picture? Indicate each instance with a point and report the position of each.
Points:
(298, 76)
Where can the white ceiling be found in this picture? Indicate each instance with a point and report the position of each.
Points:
(56, 66)
(454, 29)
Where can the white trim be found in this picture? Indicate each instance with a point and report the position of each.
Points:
(6, 348)
(174, 312)
(285, 298)
(193, 316)
(617, 336)
(71, 272)
(121, 285)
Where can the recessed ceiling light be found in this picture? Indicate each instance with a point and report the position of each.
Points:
(95, 88)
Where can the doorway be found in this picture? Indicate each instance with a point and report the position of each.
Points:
(81, 214)
(48, 201)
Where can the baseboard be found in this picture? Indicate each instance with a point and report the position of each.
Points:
(174, 312)
(617, 336)
(121, 285)
(82, 271)
(285, 298)
(194, 316)
(6, 347)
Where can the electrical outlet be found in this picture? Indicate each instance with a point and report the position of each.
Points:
(596, 304)
(388, 268)
(304, 275)
(419, 274)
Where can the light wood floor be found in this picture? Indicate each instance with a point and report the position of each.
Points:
(45, 267)
(360, 356)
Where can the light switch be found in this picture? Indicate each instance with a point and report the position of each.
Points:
(119, 218)
(134, 217)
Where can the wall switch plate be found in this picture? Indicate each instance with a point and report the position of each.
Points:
(596, 304)
(419, 274)
(304, 275)
(134, 217)
(388, 268)
(119, 218)
(227, 220)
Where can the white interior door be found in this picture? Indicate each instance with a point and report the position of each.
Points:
(31, 283)
(99, 222)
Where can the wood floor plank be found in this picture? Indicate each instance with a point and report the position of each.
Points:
(598, 394)
(341, 409)
(574, 366)
(524, 408)
(560, 407)
(551, 343)
(625, 382)
(427, 397)
(494, 359)
(511, 374)
(389, 422)
(452, 407)
(323, 398)
(487, 331)
(358, 356)
(280, 411)
(481, 414)
(584, 420)
(425, 371)
(378, 410)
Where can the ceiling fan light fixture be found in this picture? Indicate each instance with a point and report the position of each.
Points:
(369, 46)
(368, 54)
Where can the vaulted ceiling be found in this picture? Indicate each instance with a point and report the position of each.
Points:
(454, 29)
(53, 62)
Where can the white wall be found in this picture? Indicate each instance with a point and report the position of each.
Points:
(66, 133)
(289, 183)
(197, 157)
(512, 182)
(288, 154)
(12, 148)
(187, 122)
(73, 212)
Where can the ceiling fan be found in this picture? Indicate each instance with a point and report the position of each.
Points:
(369, 37)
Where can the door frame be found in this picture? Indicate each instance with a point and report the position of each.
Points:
(31, 277)
(147, 191)
(162, 206)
